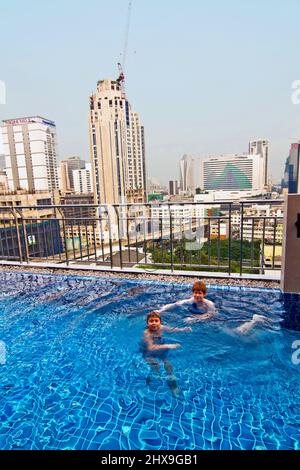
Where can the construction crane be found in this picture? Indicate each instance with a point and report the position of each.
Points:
(121, 78)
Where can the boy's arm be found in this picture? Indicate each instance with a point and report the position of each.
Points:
(179, 302)
(171, 328)
(155, 347)
(195, 318)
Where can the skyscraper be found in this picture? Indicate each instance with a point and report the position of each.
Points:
(187, 173)
(63, 178)
(261, 146)
(291, 178)
(67, 167)
(30, 149)
(173, 188)
(117, 146)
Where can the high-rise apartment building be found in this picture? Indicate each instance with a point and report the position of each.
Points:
(173, 188)
(64, 178)
(83, 180)
(261, 146)
(30, 149)
(292, 170)
(187, 174)
(117, 146)
(233, 172)
(67, 167)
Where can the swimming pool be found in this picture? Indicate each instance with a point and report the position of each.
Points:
(74, 377)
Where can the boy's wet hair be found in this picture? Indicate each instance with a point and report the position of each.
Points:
(153, 315)
(200, 286)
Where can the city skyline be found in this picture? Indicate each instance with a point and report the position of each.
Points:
(197, 100)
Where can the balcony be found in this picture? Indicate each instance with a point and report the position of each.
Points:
(224, 239)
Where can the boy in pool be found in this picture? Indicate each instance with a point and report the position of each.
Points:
(201, 308)
(154, 348)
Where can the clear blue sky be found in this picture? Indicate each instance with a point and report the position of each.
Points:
(205, 76)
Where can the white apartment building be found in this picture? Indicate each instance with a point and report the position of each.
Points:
(83, 180)
(117, 146)
(188, 221)
(261, 147)
(233, 173)
(30, 149)
(177, 211)
(259, 223)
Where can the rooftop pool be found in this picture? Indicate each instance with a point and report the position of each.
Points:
(72, 375)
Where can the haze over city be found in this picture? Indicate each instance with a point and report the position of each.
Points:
(205, 78)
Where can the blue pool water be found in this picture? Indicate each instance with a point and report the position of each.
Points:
(74, 377)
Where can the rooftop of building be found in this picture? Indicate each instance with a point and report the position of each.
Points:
(28, 119)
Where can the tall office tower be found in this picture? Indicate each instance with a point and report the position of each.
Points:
(117, 146)
(291, 178)
(233, 172)
(187, 173)
(83, 179)
(261, 146)
(67, 166)
(30, 149)
(64, 178)
(173, 188)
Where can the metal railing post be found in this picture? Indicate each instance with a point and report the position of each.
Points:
(119, 238)
(274, 243)
(171, 239)
(229, 240)
(60, 210)
(110, 240)
(241, 239)
(15, 215)
(24, 235)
